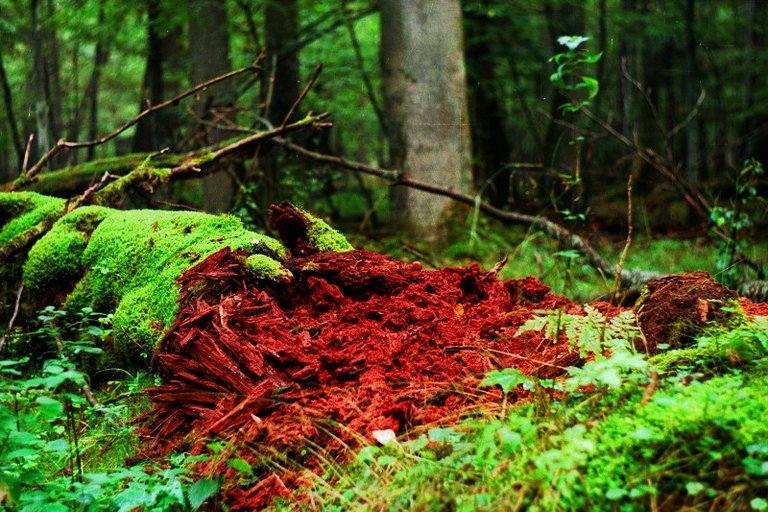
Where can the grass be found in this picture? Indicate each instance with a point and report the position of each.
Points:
(660, 441)
(533, 254)
(685, 432)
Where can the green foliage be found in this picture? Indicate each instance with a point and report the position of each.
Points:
(22, 211)
(128, 261)
(734, 220)
(44, 463)
(686, 440)
(607, 344)
(570, 74)
(324, 237)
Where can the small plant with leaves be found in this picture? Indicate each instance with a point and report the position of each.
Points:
(46, 413)
(570, 75)
(735, 219)
(608, 344)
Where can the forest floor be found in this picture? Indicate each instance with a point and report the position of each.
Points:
(366, 382)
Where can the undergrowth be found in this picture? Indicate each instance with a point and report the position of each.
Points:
(634, 433)
(64, 448)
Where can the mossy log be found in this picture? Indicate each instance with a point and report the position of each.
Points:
(127, 262)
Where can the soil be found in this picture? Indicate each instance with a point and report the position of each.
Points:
(307, 367)
(674, 308)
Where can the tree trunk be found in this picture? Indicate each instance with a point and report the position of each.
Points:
(279, 87)
(691, 87)
(44, 137)
(209, 56)
(490, 143)
(100, 58)
(18, 146)
(161, 80)
(426, 70)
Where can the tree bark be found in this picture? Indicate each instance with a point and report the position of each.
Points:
(209, 56)
(100, 58)
(44, 136)
(426, 69)
(691, 88)
(279, 88)
(18, 146)
(161, 79)
(490, 143)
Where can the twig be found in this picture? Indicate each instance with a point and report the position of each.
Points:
(314, 121)
(85, 388)
(369, 89)
(303, 94)
(13, 318)
(86, 196)
(27, 151)
(650, 388)
(693, 113)
(252, 29)
(122, 396)
(498, 266)
(270, 88)
(423, 257)
(64, 144)
(630, 228)
(629, 279)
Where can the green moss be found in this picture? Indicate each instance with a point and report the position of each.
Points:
(74, 179)
(22, 211)
(264, 267)
(323, 237)
(57, 256)
(143, 177)
(134, 259)
(690, 358)
(204, 158)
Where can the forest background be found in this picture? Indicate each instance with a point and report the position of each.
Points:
(592, 127)
(669, 93)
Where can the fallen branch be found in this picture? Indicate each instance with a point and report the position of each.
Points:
(633, 278)
(148, 178)
(9, 329)
(62, 144)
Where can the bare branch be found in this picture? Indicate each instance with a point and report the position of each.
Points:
(629, 279)
(693, 113)
(63, 144)
(303, 95)
(196, 166)
(9, 329)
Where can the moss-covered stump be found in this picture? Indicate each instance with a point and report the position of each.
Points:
(24, 217)
(674, 309)
(128, 262)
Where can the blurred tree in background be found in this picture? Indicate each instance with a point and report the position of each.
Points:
(682, 98)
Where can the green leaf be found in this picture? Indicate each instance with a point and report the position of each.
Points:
(615, 493)
(201, 491)
(50, 407)
(241, 466)
(57, 445)
(694, 488)
(592, 85)
(507, 379)
(444, 435)
(386, 460)
(131, 498)
(592, 59)
(758, 504)
(95, 331)
(21, 453)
